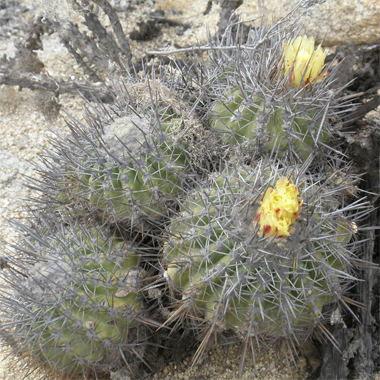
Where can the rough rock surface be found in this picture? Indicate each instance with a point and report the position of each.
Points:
(336, 22)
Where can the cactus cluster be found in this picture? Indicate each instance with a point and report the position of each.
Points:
(202, 186)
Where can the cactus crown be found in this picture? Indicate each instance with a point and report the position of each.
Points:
(235, 273)
(255, 104)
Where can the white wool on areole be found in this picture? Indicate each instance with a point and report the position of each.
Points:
(126, 136)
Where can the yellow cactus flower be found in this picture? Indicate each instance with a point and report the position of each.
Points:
(279, 209)
(303, 62)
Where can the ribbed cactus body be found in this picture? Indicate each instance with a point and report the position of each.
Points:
(264, 99)
(75, 303)
(234, 275)
(246, 119)
(130, 169)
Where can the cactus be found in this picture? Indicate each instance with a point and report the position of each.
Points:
(261, 251)
(72, 299)
(127, 165)
(270, 94)
(239, 117)
(132, 175)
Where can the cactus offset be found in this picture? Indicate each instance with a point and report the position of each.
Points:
(73, 299)
(261, 261)
(255, 104)
(128, 168)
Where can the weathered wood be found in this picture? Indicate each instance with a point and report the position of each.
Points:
(363, 367)
(227, 13)
(334, 365)
(125, 49)
(363, 361)
(44, 82)
(362, 111)
(355, 358)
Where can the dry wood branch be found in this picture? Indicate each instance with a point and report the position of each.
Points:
(117, 28)
(105, 40)
(43, 82)
(78, 57)
(362, 110)
(227, 14)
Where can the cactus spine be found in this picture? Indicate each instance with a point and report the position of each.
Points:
(75, 301)
(257, 259)
(256, 105)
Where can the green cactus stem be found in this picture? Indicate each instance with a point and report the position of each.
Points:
(72, 301)
(241, 118)
(261, 250)
(127, 169)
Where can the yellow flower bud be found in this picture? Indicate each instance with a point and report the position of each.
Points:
(303, 63)
(279, 209)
